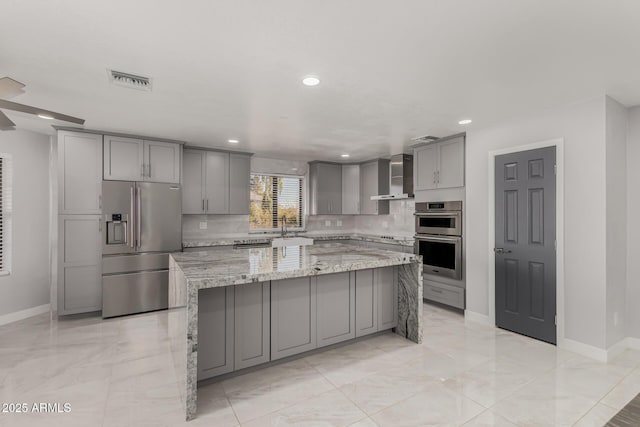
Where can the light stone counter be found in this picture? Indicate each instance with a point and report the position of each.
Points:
(218, 267)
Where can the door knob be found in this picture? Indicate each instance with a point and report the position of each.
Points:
(501, 251)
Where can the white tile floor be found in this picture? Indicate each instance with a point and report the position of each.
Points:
(119, 373)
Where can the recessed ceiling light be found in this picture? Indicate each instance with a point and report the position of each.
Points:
(311, 81)
(232, 141)
(44, 116)
(344, 155)
(464, 122)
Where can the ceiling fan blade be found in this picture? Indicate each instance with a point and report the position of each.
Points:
(10, 88)
(8, 105)
(6, 123)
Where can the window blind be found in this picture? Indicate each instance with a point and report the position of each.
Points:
(274, 197)
(5, 212)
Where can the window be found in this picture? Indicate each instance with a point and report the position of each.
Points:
(5, 213)
(273, 197)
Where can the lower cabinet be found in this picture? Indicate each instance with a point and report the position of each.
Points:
(293, 316)
(247, 325)
(215, 331)
(252, 325)
(336, 314)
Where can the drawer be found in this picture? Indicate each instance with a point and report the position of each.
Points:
(115, 264)
(444, 294)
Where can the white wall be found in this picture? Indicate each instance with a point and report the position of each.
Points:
(28, 284)
(632, 317)
(583, 128)
(616, 202)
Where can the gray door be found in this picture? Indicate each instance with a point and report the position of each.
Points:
(215, 332)
(525, 255)
(387, 279)
(366, 303)
(252, 315)
(335, 308)
(158, 217)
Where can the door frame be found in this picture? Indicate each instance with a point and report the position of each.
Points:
(558, 143)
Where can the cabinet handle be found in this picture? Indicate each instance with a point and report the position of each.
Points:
(207, 205)
(100, 225)
(142, 170)
(434, 177)
(149, 170)
(202, 205)
(99, 201)
(438, 175)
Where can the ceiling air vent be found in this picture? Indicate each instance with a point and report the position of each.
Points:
(130, 80)
(425, 138)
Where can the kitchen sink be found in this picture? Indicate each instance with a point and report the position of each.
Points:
(291, 241)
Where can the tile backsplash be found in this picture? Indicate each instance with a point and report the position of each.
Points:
(399, 222)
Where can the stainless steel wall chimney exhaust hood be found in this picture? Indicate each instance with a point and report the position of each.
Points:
(401, 185)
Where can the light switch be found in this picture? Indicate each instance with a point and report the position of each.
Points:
(203, 225)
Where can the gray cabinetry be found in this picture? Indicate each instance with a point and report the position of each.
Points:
(239, 182)
(374, 181)
(366, 303)
(133, 159)
(440, 164)
(326, 188)
(215, 182)
(350, 189)
(252, 344)
(79, 173)
(79, 264)
(335, 308)
(216, 331)
(444, 293)
(293, 316)
(387, 281)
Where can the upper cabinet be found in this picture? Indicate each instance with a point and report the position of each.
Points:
(79, 173)
(374, 181)
(440, 164)
(325, 184)
(131, 159)
(215, 182)
(350, 189)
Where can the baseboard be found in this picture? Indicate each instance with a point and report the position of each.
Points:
(617, 348)
(633, 343)
(24, 314)
(583, 349)
(477, 318)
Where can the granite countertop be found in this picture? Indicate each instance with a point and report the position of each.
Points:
(220, 267)
(266, 238)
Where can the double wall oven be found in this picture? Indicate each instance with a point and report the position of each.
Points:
(439, 238)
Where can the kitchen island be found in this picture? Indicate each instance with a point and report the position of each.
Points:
(283, 301)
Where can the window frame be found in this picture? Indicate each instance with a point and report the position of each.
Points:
(303, 206)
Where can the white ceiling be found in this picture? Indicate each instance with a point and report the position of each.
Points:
(390, 70)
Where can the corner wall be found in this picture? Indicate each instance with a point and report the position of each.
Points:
(27, 287)
(583, 128)
(632, 300)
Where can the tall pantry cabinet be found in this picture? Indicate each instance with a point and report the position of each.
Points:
(79, 275)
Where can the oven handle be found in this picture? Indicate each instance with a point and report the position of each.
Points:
(435, 214)
(453, 239)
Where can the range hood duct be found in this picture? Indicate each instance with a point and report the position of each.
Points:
(401, 176)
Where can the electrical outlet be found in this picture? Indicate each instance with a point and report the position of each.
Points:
(203, 225)
(339, 223)
(327, 223)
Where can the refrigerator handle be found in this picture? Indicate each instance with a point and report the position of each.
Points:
(139, 217)
(131, 219)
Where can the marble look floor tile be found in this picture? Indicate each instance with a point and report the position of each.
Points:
(624, 391)
(383, 389)
(489, 419)
(366, 422)
(435, 406)
(214, 408)
(597, 416)
(328, 409)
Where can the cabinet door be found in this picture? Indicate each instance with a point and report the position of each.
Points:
(216, 185)
(368, 188)
(335, 308)
(366, 303)
(350, 189)
(79, 264)
(162, 162)
(328, 191)
(252, 325)
(387, 281)
(215, 332)
(451, 159)
(193, 186)
(293, 317)
(239, 182)
(123, 158)
(425, 167)
(79, 173)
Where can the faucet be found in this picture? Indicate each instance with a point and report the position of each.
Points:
(284, 226)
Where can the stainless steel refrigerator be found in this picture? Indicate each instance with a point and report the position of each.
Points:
(143, 223)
